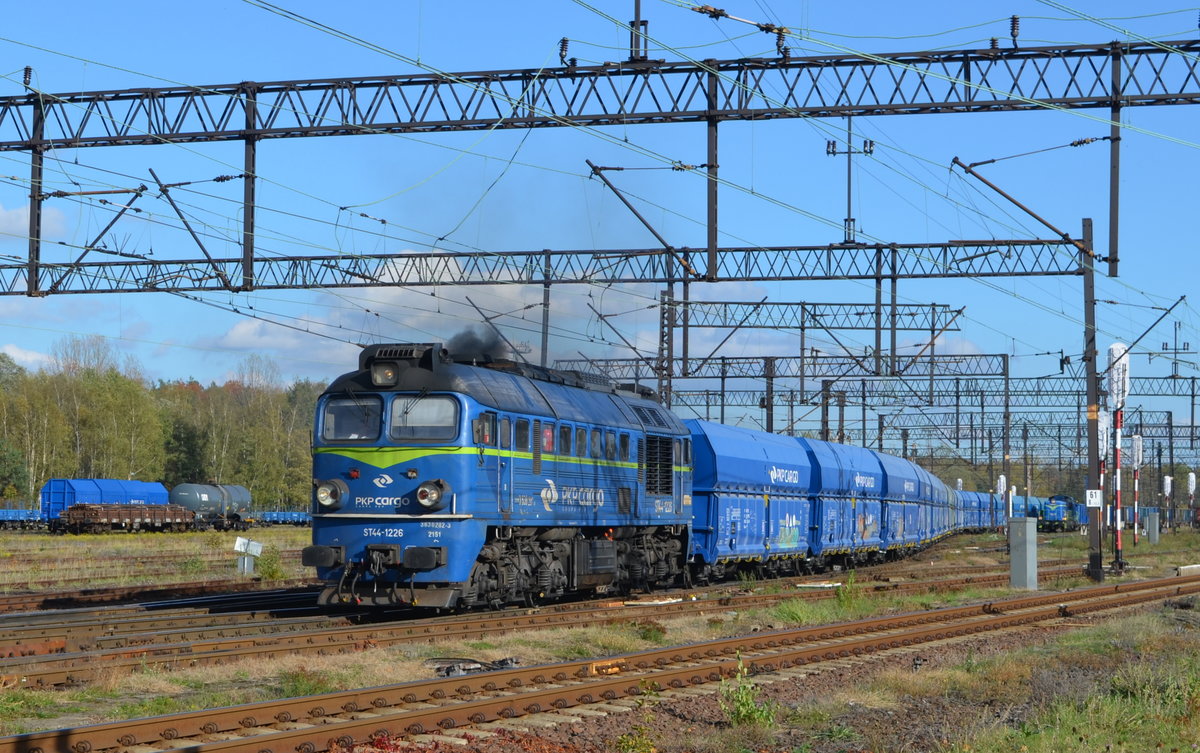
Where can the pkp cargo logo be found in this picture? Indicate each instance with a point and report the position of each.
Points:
(382, 480)
(571, 495)
(864, 482)
(549, 495)
(784, 475)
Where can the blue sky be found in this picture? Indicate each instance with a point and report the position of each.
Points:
(508, 190)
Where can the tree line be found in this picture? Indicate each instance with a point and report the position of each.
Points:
(91, 414)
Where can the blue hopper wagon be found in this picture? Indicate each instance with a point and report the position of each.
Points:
(58, 494)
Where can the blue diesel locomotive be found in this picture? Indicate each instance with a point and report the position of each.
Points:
(450, 484)
(444, 484)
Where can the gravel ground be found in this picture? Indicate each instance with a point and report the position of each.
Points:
(682, 723)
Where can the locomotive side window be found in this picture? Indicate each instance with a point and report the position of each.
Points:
(625, 448)
(505, 433)
(521, 440)
(610, 445)
(597, 445)
(484, 429)
(424, 418)
(355, 418)
(580, 442)
(548, 438)
(564, 439)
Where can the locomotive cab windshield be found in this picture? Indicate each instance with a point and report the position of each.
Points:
(412, 417)
(423, 417)
(352, 418)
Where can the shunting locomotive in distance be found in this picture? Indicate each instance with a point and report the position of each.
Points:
(446, 483)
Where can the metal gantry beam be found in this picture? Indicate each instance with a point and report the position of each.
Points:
(1052, 393)
(1071, 437)
(841, 316)
(910, 419)
(624, 94)
(954, 259)
(636, 92)
(812, 366)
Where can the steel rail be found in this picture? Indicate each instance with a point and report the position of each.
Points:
(89, 632)
(55, 666)
(55, 600)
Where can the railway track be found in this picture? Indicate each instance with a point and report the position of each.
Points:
(31, 573)
(75, 652)
(446, 705)
(27, 601)
(72, 599)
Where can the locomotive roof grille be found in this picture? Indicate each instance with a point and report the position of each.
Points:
(428, 355)
(425, 355)
(400, 352)
(592, 381)
(649, 416)
(503, 384)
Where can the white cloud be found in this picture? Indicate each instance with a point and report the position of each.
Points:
(30, 359)
(14, 223)
(297, 354)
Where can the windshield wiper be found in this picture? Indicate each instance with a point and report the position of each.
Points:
(411, 403)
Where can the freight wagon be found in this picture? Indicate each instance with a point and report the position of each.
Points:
(59, 494)
(102, 518)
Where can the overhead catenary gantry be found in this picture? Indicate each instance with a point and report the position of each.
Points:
(955, 259)
(1047, 393)
(626, 93)
(629, 93)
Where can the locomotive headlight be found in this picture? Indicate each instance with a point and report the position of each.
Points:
(384, 374)
(331, 494)
(432, 495)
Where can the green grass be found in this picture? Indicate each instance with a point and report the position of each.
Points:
(602, 640)
(303, 682)
(19, 707)
(192, 565)
(35, 704)
(1129, 685)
